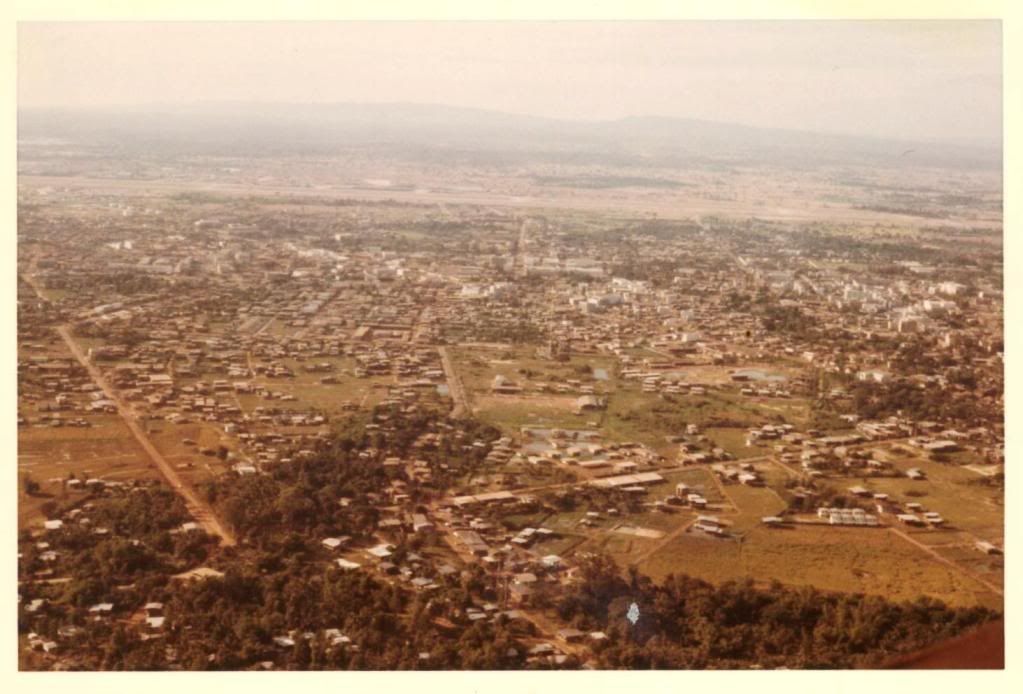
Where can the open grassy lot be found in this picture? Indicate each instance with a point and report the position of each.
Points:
(664, 521)
(529, 475)
(561, 544)
(753, 503)
(840, 559)
(794, 411)
(106, 450)
(477, 367)
(700, 478)
(775, 476)
(568, 533)
(633, 415)
(956, 493)
(940, 538)
(565, 521)
(733, 440)
(512, 412)
(518, 521)
(696, 554)
(624, 549)
(309, 393)
(329, 398)
(195, 467)
(990, 568)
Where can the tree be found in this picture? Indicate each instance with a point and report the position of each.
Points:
(30, 486)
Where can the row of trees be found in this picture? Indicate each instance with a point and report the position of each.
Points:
(687, 623)
(877, 401)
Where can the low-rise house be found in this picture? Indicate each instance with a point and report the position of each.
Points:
(570, 635)
(420, 523)
(709, 524)
(987, 547)
(101, 609)
(909, 519)
(333, 543)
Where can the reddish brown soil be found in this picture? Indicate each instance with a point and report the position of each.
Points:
(980, 649)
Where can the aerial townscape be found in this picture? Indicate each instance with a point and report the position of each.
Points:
(351, 404)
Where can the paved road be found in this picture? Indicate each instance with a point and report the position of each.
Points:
(200, 510)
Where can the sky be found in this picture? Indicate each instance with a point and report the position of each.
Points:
(938, 80)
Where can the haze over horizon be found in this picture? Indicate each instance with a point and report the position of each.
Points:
(909, 80)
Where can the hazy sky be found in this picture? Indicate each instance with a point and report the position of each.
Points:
(900, 79)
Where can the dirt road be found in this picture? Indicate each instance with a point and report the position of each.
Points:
(200, 510)
(454, 385)
(30, 280)
(662, 543)
(931, 551)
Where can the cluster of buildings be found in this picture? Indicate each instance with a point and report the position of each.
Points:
(267, 329)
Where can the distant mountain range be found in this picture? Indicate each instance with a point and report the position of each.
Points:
(444, 132)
